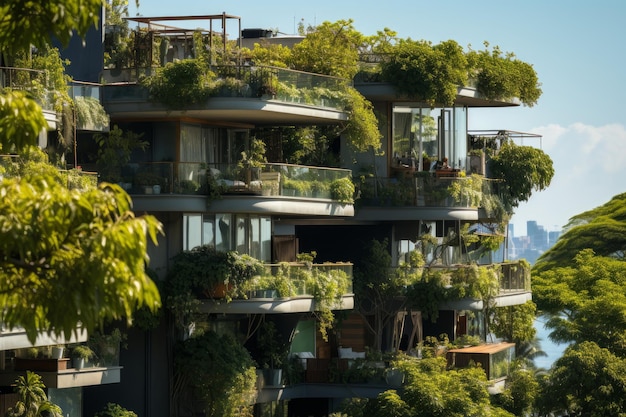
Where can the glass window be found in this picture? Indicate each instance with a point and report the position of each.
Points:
(223, 232)
(266, 239)
(255, 237)
(192, 227)
(433, 132)
(247, 234)
(241, 234)
(208, 230)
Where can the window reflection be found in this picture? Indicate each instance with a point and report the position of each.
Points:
(247, 234)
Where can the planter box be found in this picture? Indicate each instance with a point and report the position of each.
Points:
(44, 365)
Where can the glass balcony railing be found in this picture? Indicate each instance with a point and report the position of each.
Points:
(31, 80)
(284, 180)
(427, 190)
(512, 276)
(289, 279)
(90, 115)
(280, 84)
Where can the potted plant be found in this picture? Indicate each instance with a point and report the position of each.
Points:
(149, 182)
(80, 355)
(106, 346)
(273, 352)
(342, 190)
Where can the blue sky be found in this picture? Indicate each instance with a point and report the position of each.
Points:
(576, 47)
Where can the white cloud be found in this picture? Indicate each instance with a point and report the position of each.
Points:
(589, 163)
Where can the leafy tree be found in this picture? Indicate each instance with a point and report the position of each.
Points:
(585, 301)
(502, 77)
(524, 169)
(515, 323)
(379, 291)
(33, 401)
(331, 49)
(601, 229)
(25, 22)
(84, 247)
(21, 120)
(587, 381)
(431, 390)
(520, 392)
(219, 374)
(114, 151)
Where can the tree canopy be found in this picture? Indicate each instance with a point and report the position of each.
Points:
(25, 22)
(586, 381)
(432, 390)
(70, 258)
(524, 169)
(585, 301)
(601, 229)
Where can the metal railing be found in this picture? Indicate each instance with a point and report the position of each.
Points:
(31, 80)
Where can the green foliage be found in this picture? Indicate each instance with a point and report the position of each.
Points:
(601, 229)
(585, 301)
(524, 169)
(433, 73)
(82, 352)
(586, 381)
(33, 401)
(117, 42)
(515, 323)
(115, 410)
(331, 49)
(62, 244)
(431, 390)
(378, 288)
(89, 112)
(342, 190)
(219, 373)
(114, 151)
(362, 127)
(21, 121)
(271, 345)
(27, 23)
(501, 76)
(197, 272)
(273, 55)
(422, 71)
(180, 84)
(520, 392)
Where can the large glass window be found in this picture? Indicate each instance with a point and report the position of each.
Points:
(434, 133)
(249, 234)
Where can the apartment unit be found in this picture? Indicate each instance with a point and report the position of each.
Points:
(215, 175)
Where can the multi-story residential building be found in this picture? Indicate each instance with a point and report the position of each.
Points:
(192, 176)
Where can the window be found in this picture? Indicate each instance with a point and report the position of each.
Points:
(436, 132)
(245, 233)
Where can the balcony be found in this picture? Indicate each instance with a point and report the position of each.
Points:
(238, 94)
(272, 188)
(427, 190)
(513, 285)
(425, 195)
(36, 83)
(292, 288)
